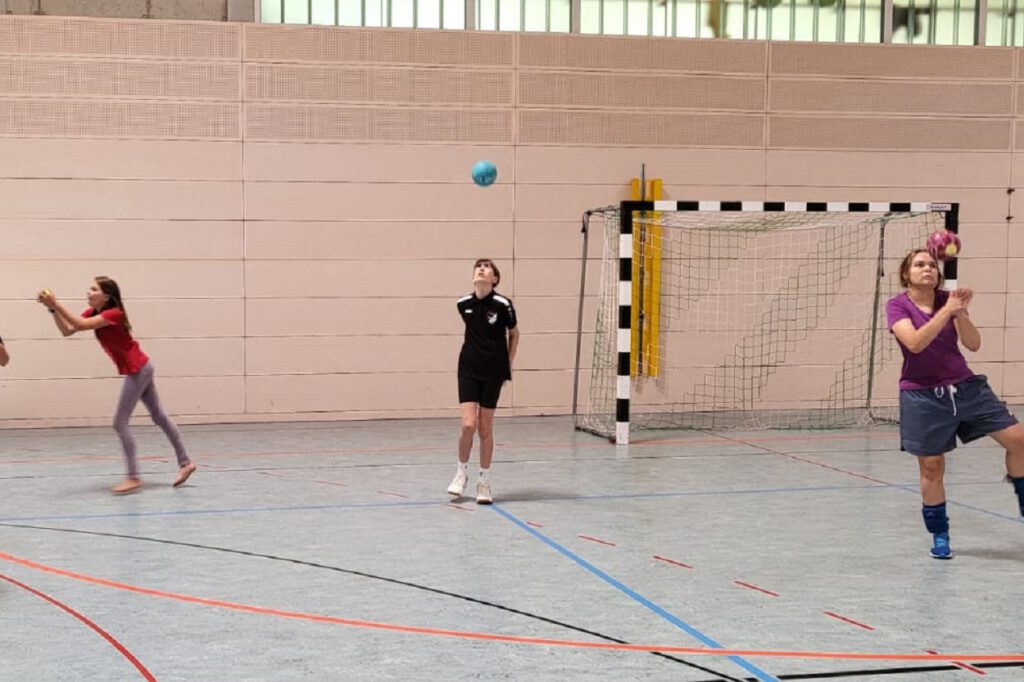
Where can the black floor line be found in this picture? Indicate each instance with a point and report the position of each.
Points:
(880, 672)
(394, 581)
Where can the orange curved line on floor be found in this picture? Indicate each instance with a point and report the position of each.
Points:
(510, 639)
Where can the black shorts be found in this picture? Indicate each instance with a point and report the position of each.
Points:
(483, 391)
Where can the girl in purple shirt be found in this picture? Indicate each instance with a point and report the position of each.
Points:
(941, 399)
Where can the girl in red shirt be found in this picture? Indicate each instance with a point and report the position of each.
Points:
(106, 317)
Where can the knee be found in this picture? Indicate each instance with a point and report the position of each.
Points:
(1016, 444)
(931, 471)
(468, 427)
(486, 430)
(120, 425)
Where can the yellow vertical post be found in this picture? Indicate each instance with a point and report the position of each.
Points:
(652, 295)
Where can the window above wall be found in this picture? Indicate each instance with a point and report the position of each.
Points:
(925, 22)
(448, 14)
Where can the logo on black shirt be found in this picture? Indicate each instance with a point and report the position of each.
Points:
(492, 316)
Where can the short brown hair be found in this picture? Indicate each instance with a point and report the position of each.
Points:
(905, 269)
(488, 261)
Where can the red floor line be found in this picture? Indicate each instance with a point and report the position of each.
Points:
(535, 525)
(292, 478)
(523, 446)
(765, 439)
(979, 671)
(670, 561)
(755, 587)
(832, 468)
(204, 456)
(321, 453)
(385, 492)
(88, 623)
(597, 540)
(215, 467)
(514, 639)
(76, 459)
(459, 507)
(753, 442)
(848, 620)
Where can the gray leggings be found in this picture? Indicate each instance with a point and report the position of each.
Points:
(137, 387)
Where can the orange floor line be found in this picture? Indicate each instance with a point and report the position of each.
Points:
(512, 639)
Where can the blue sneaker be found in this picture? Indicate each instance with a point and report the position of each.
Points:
(941, 548)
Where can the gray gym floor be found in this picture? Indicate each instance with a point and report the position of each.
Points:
(331, 551)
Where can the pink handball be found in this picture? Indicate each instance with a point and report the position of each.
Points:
(943, 245)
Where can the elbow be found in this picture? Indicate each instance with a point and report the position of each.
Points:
(68, 331)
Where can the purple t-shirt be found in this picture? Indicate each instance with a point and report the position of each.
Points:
(941, 363)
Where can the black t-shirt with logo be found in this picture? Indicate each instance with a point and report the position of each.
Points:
(485, 347)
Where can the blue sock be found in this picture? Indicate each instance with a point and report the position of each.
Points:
(1018, 486)
(935, 519)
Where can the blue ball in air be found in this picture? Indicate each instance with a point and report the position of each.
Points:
(484, 173)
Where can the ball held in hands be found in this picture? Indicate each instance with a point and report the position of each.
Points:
(47, 298)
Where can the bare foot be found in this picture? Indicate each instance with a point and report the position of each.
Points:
(126, 486)
(183, 474)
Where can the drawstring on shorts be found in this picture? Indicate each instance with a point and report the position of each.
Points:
(940, 391)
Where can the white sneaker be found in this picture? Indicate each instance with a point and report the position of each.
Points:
(458, 484)
(483, 492)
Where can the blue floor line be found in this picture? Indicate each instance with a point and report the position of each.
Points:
(632, 594)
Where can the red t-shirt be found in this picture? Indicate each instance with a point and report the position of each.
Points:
(118, 342)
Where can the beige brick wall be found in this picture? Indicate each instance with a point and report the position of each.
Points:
(289, 211)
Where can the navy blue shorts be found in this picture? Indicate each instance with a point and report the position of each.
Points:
(485, 392)
(931, 419)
